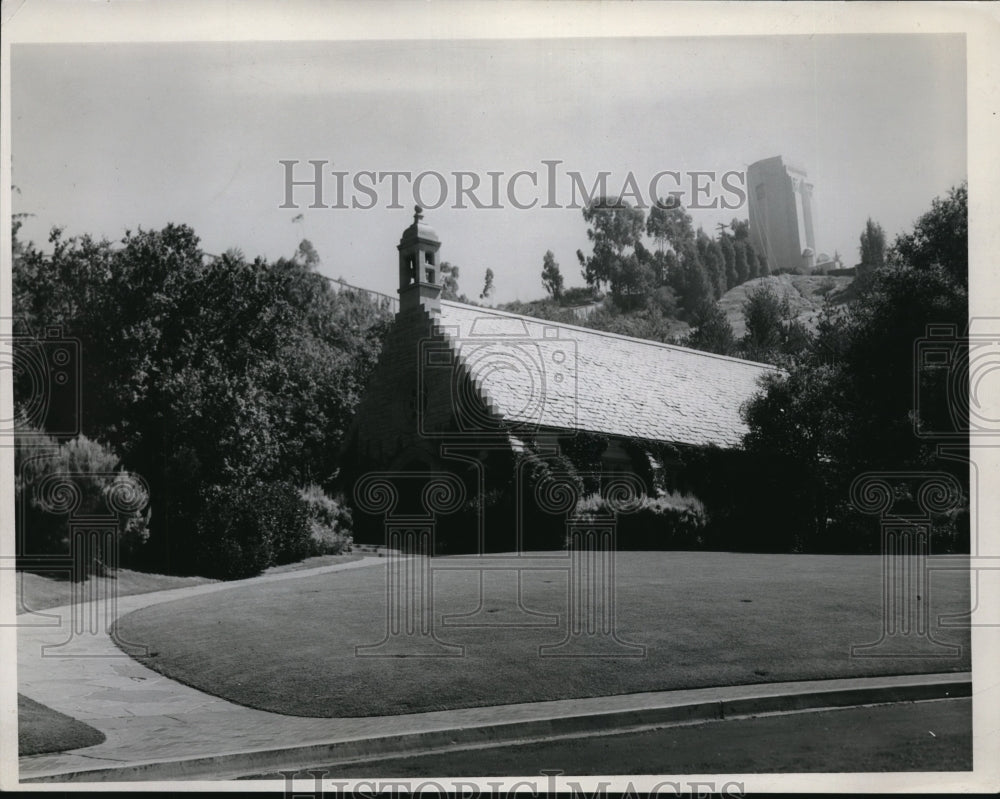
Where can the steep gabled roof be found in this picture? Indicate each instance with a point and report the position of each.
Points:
(550, 375)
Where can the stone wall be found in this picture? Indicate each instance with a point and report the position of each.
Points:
(405, 399)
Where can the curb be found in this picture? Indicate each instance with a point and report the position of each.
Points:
(264, 761)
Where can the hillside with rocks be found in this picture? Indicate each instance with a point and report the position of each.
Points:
(806, 295)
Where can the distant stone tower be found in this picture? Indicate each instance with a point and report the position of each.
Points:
(781, 219)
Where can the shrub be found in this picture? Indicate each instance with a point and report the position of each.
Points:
(667, 521)
(952, 532)
(848, 530)
(80, 477)
(543, 525)
(244, 529)
(509, 505)
(458, 532)
(577, 295)
(282, 506)
(330, 521)
(754, 501)
(828, 285)
(128, 498)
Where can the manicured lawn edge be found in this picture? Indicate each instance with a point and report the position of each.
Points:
(707, 619)
(41, 730)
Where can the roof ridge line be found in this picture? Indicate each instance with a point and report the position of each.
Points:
(439, 328)
(608, 334)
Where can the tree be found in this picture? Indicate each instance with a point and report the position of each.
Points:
(619, 260)
(940, 238)
(794, 427)
(846, 405)
(773, 334)
(710, 255)
(740, 264)
(449, 281)
(306, 255)
(872, 249)
(614, 224)
(669, 224)
(763, 270)
(204, 371)
(664, 300)
(17, 221)
(729, 259)
(714, 333)
(764, 313)
(487, 285)
(745, 261)
(694, 288)
(753, 265)
(552, 279)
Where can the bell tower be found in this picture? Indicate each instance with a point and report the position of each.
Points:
(419, 268)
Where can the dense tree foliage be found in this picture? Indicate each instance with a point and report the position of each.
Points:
(669, 225)
(871, 250)
(939, 238)
(449, 283)
(619, 262)
(697, 268)
(846, 404)
(773, 334)
(713, 333)
(205, 374)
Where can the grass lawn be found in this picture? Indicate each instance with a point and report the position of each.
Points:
(314, 563)
(706, 618)
(38, 592)
(41, 729)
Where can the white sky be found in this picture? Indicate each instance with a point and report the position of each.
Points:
(113, 136)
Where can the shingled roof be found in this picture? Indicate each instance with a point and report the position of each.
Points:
(550, 375)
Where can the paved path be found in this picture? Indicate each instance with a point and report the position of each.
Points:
(157, 728)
